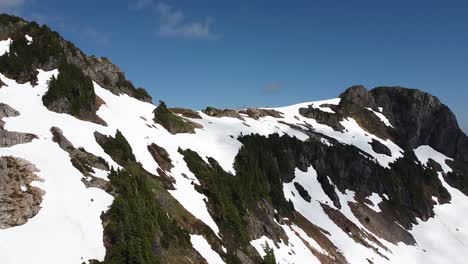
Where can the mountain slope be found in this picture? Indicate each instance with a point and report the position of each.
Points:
(377, 176)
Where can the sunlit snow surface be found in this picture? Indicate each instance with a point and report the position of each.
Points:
(295, 251)
(205, 250)
(442, 239)
(5, 46)
(29, 39)
(68, 228)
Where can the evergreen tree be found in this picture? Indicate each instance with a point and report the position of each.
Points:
(270, 254)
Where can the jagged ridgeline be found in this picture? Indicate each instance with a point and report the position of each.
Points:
(377, 176)
(50, 51)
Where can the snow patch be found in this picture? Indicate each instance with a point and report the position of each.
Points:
(318, 105)
(424, 153)
(376, 200)
(29, 39)
(5, 46)
(200, 244)
(296, 251)
(125, 113)
(68, 228)
(313, 211)
(381, 116)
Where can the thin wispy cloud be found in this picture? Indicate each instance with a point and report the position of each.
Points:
(272, 88)
(11, 5)
(71, 28)
(173, 22)
(139, 4)
(96, 36)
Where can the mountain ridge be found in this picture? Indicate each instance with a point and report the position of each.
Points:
(361, 178)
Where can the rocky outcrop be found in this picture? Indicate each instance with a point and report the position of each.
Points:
(11, 138)
(49, 49)
(172, 122)
(257, 113)
(161, 156)
(215, 112)
(82, 160)
(359, 95)
(380, 148)
(19, 200)
(185, 112)
(330, 119)
(6, 111)
(381, 224)
(352, 230)
(419, 118)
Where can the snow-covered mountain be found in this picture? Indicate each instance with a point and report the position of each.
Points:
(92, 171)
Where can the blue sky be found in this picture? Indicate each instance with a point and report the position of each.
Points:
(269, 53)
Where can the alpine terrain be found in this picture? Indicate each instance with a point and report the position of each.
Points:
(91, 171)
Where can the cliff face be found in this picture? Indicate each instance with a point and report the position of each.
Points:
(419, 118)
(91, 175)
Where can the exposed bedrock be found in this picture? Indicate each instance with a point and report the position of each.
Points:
(11, 138)
(419, 118)
(19, 200)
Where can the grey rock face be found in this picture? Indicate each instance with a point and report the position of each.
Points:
(81, 159)
(321, 117)
(6, 111)
(359, 95)
(10, 138)
(215, 112)
(62, 105)
(419, 118)
(257, 113)
(19, 201)
(380, 148)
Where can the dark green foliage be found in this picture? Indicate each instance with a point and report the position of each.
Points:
(23, 58)
(138, 93)
(264, 163)
(233, 259)
(223, 191)
(7, 19)
(173, 123)
(458, 178)
(413, 186)
(270, 255)
(122, 82)
(72, 84)
(118, 148)
(19, 59)
(262, 166)
(141, 94)
(137, 224)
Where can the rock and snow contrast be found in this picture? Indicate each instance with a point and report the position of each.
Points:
(92, 172)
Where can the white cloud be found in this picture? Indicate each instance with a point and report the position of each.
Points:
(173, 24)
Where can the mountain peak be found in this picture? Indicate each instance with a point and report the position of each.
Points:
(91, 171)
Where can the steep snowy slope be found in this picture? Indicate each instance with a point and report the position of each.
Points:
(334, 181)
